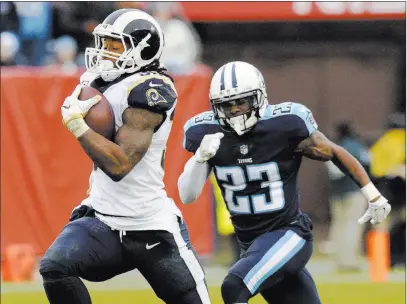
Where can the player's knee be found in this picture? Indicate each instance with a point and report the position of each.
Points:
(234, 290)
(52, 268)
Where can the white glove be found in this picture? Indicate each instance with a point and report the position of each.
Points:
(376, 212)
(209, 146)
(74, 110)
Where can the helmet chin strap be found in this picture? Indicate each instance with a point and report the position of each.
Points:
(240, 125)
(107, 70)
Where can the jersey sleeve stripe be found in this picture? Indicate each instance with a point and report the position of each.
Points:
(192, 122)
(184, 142)
(305, 114)
(187, 125)
(148, 77)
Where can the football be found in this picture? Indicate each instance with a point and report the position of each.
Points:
(100, 117)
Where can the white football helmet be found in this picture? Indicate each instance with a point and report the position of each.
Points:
(236, 81)
(141, 36)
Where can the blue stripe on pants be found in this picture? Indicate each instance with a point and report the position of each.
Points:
(289, 245)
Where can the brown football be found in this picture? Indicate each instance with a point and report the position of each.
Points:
(100, 117)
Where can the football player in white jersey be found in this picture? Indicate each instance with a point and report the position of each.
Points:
(127, 222)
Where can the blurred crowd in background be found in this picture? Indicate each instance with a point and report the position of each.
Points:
(55, 35)
(385, 160)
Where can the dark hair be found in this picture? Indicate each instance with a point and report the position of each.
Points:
(156, 67)
(345, 129)
(396, 121)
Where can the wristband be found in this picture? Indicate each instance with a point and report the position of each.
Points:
(370, 191)
(198, 156)
(77, 126)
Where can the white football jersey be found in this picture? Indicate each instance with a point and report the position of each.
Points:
(138, 201)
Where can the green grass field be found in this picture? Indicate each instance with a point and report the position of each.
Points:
(350, 293)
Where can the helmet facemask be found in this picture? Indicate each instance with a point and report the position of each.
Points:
(126, 62)
(241, 122)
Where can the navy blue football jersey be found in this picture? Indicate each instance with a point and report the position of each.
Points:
(257, 172)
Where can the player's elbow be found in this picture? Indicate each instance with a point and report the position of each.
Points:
(339, 152)
(186, 199)
(116, 178)
(119, 165)
(184, 192)
(118, 173)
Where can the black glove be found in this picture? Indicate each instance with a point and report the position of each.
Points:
(81, 211)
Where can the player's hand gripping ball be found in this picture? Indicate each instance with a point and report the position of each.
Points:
(88, 108)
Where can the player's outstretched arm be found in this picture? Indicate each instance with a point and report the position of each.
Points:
(192, 180)
(132, 141)
(197, 169)
(319, 147)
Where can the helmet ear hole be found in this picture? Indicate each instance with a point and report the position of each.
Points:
(153, 45)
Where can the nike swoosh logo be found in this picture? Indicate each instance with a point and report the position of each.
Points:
(148, 247)
(152, 85)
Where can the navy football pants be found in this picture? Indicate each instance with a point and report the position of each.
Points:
(89, 249)
(274, 265)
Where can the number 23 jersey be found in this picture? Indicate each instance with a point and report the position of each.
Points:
(257, 172)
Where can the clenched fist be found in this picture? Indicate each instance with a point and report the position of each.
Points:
(209, 146)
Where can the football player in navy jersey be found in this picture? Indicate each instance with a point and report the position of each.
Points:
(255, 150)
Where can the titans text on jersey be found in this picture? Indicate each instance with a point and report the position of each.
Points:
(257, 172)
